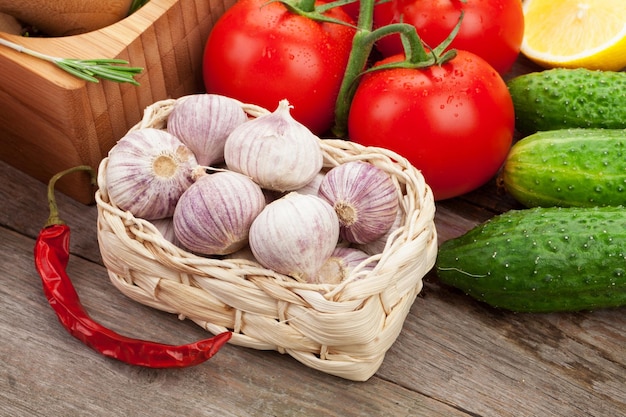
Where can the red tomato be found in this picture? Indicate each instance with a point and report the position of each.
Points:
(492, 29)
(454, 122)
(260, 53)
(352, 9)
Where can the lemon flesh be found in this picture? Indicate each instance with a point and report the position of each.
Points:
(575, 33)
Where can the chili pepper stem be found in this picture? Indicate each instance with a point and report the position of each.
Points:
(54, 217)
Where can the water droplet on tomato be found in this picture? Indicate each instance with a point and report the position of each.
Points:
(268, 53)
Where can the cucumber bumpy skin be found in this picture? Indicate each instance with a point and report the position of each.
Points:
(568, 168)
(542, 260)
(563, 98)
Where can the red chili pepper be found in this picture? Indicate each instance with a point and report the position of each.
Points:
(51, 259)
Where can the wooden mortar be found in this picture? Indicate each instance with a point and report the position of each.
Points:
(66, 17)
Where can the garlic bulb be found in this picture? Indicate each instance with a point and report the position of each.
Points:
(295, 235)
(166, 227)
(275, 150)
(203, 122)
(147, 172)
(378, 245)
(340, 264)
(313, 186)
(364, 197)
(244, 253)
(214, 215)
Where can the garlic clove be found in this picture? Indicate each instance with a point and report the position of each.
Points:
(147, 172)
(214, 215)
(364, 197)
(341, 263)
(203, 122)
(275, 150)
(295, 235)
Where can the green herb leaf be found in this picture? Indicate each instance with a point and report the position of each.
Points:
(111, 69)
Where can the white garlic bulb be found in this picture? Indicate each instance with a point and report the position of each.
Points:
(203, 122)
(364, 197)
(214, 215)
(295, 235)
(275, 150)
(340, 264)
(313, 186)
(147, 172)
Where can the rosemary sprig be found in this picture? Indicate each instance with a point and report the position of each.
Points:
(87, 69)
(136, 5)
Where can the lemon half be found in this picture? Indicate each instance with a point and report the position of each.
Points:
(575, 33)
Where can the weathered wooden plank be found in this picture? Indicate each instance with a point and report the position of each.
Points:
(47, 372)
(490, 362)
(24, 207)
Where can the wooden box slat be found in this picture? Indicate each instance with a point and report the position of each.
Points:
(50, 120)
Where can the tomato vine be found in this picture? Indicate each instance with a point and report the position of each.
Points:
(365, 37)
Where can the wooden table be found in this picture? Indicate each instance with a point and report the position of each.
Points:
(454, 357)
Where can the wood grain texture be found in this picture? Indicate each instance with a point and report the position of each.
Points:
(47, 372)
(51, 120)
(455, 356)
(67, 17)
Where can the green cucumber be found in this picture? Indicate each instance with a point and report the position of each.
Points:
(569, 167)
(542, 260)
(563, 98)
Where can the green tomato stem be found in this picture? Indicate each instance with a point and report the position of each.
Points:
(362, 46)
(416, 56)
(305, 5)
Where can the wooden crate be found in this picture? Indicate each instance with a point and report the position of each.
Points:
(50, 120)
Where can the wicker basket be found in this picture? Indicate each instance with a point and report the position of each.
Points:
(343, 329)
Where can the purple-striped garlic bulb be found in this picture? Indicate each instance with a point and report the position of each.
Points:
(295, 235)
(165, 226)
(147, 172)
(203, 122)
(340, 264)
(275, 150)
(214, 215)
(378, 246)
(364, 197)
